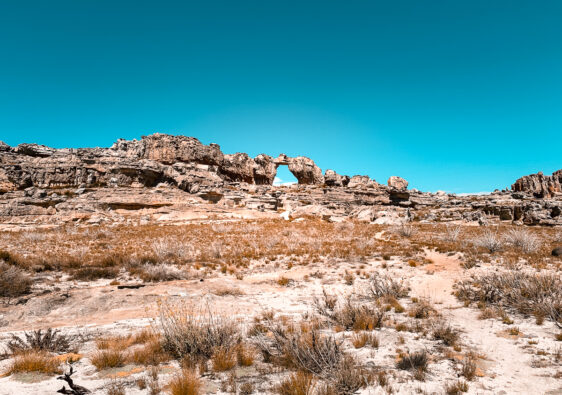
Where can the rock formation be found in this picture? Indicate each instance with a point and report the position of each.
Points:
(397, 183)
(175, 178)
(539, 185)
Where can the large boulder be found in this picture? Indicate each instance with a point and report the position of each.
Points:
(305, 171)
(361, 182)
(397, 183)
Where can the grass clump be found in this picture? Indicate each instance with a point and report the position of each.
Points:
(299, 383)
(413, 361)
(188, 331)
(35, 361)
(447, 334)
(107, 359)
(185, 383)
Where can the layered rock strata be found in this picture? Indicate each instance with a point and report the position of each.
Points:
(177, 179)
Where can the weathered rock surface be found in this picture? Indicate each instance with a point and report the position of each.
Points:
(540, 185)
(397, 183)
(176, 178)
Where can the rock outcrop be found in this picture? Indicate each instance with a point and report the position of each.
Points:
(177, 178)
(397, 183)
(539, 185)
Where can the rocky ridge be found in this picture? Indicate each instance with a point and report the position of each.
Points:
(176, 178)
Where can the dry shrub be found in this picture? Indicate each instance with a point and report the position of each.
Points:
(113, 342)
(244, 355)
(39, 340)
(116, 388)
(421, 310)
(190, 331)
(384, 286)
(13, 281)
(414, 361)
(527, 293)
(185, 383)
(223, 359)
(349, 377)
(523, 239)
(452, 233)
(35, 361)
(299, 383)
(456, 388)
(246, 388)
(307, 351)
(405, 230)
(360, 340)
(468, 368)
(95, 273)
(349, 314)
(152, 353)
(283, 281)
(158, 273)
(447, 334)
(106, 359)
(490, 241)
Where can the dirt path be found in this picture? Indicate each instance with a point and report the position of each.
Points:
(507, 366)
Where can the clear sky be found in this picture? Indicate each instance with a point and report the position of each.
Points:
(457, 95)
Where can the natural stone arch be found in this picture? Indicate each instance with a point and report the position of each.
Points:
(304, 169)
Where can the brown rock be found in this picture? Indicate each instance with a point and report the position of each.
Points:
(397, 183)
(539, 185)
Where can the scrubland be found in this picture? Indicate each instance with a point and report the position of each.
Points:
(282, 307)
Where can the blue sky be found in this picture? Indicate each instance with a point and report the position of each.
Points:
(463, 96)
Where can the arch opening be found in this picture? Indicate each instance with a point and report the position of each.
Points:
(284, 177)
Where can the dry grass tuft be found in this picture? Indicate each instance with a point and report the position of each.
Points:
(106, 359)
(223, 359)
(35, 361)
(185, 383)
(196, 332)
(414, 361)
(384, 286)
(456, 388)
(299, 383)
(447, 334)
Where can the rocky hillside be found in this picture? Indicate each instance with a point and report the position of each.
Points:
(176, 178)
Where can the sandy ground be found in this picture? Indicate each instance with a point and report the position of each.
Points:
(508, 364)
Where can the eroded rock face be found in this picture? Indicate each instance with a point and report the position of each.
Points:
(397, 183)
(539, 185)
(38, 182)
(333, 179)
(265, 170)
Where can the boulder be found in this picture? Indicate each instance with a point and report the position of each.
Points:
(360, 181)
(305, 171)
(557, 251)
(397, 183)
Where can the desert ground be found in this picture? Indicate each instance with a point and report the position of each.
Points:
(268, 305)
